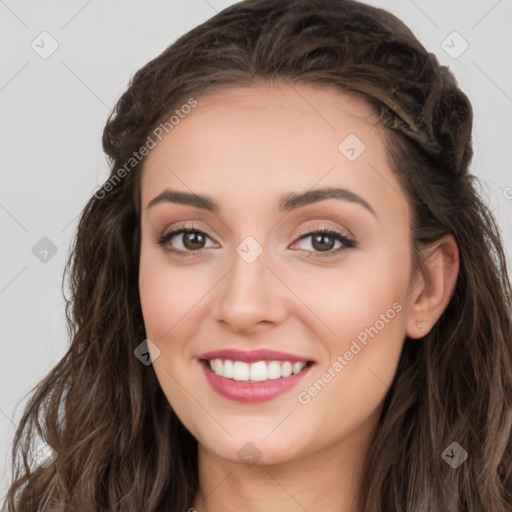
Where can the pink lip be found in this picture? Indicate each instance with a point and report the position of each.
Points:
(252, 393)
(251, 356)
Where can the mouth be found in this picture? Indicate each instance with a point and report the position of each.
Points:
(247, 379)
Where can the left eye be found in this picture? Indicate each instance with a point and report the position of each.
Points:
(325, 240)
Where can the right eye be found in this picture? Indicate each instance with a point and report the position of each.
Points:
(183, 241)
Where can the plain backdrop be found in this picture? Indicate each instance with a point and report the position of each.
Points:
(54, 106)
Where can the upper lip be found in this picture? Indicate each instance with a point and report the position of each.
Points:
(251, 356)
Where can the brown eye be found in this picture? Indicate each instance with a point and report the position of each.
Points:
(328, 241)
(193, 241)
(183, 241)
(323, 242)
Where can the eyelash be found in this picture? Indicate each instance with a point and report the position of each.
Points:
(347, 243)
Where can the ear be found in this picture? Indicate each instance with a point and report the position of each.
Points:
(433, 287)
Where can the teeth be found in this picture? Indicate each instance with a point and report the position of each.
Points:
(254, 372)
(258, 371)
(227, 369)
(240, 369)
(297, 367)
(274, 370)
(286, 369)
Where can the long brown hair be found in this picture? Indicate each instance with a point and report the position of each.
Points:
(120, 446)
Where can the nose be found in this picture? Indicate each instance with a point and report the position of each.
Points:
(251, 296)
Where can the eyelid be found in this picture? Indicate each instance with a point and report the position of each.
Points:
(323, 228)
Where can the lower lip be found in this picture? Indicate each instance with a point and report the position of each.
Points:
(252, 393)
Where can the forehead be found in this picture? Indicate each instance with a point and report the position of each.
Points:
(267, 139)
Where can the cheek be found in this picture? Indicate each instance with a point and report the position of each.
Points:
(158, 301)
(366, 289)
(167, 294)
(364, 309)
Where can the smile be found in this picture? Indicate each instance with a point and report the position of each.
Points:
(240, 376)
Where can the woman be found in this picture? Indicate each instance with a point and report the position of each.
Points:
(291, 236)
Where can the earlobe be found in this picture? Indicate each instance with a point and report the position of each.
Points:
(431, 295)
(419, 323)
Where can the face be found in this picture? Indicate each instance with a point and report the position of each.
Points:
(277, 319)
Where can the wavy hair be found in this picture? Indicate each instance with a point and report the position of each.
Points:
(120, 446)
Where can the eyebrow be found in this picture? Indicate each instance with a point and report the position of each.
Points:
(287, 203)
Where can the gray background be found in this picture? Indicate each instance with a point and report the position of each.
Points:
(52, 114)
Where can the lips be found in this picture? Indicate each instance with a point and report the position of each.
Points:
(253, 376)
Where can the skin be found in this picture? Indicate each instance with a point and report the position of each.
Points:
(245, 148)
